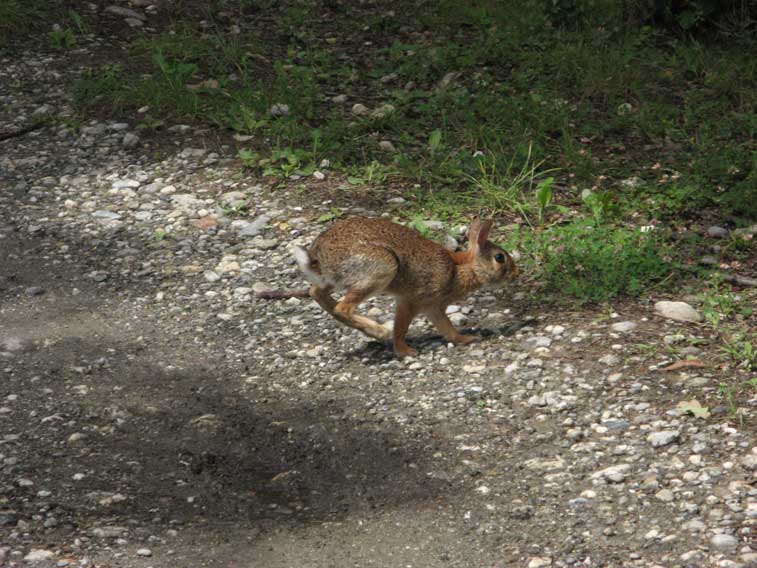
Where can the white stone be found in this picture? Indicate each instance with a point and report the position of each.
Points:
(623, 326)
(359, 109)
(38, 555)
(615, 473)
(663, 438)
(678, 311)
(724, 542)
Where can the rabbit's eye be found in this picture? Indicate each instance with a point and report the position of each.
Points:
(500, 257)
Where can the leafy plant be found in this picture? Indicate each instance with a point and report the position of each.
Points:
(333, 213)
(250, 159)
(595, 264)
(599, 204)
(741, 348)
(62, 38)
(544, 195)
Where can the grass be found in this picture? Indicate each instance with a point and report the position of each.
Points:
(18, 18)
(534, 115)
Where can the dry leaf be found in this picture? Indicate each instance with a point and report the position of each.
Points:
(694, 407)
(693, 363)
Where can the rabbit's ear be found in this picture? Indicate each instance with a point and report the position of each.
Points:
(473, 231)
(478, 234)
(483, 234)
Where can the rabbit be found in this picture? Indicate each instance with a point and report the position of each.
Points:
(367, 257)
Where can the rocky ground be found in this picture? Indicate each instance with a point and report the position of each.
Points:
(155, 412)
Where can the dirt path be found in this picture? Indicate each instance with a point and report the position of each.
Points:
(154, 412)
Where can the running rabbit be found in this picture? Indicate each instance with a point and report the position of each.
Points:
(367, 257)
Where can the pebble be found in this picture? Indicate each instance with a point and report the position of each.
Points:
(609, 360)
(663, 438)
(125, 12)
(717, 232)
(359, 109)
(279, 109)
(109, 215)
(37, 555)
(615, 473)
(144, 552)
(130, 140)
(623, 326)
(724, 542)
(665, 495)
(678, 311)
(387, 146)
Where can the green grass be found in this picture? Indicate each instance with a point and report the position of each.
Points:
(18, 18)
(511, 109)
(594, 263)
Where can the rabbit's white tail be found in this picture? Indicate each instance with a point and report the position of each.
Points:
(306, 266)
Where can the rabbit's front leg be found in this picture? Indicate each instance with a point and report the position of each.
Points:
(405, 314)
(440, 320)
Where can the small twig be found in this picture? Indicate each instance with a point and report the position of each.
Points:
(22, 131)
(695, 363)
(736, 279)
(732, 278)
(282, 294)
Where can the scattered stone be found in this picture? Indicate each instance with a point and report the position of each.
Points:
(537, 341)
(279, 109)
(387, 146)
(382, 112)
(125, 12)
(663, 438)
(37, 556)
(34, 291)
(76, 437)
(717, 232)
(234, 199)
(144, 552)
(108, 215)
(678, 311)
(130, 140)
(359, 109)
(614, 474)
(609, 360)
(623, 326)
(724, 542)
(665, 495)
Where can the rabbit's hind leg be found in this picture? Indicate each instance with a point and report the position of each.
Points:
(344, 311)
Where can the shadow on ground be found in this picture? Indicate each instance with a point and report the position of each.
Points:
(158, 436)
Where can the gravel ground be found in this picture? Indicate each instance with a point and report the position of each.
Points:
(155, 412)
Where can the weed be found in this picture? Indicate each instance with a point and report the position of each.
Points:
(250, 159)
(741, 348)
(510, 188)
(96, 85)
(716, 303)
(332, 214)
(594, 264)
(286, 162)
(21, 17)
(62, 38)
(544, 196)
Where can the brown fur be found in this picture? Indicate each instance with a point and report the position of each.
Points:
(368, 257)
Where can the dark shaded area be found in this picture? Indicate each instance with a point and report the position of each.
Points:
(176, 439)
